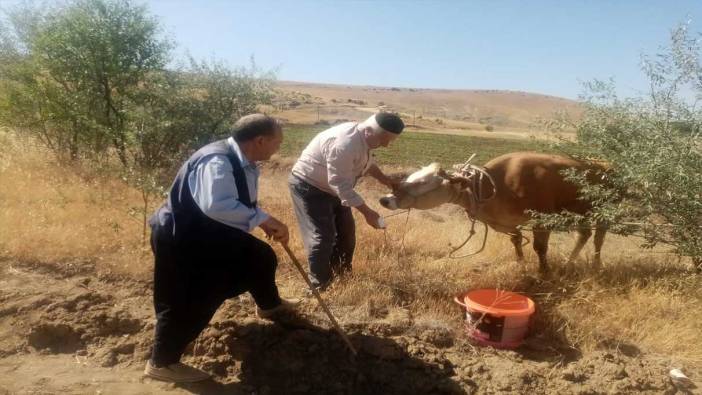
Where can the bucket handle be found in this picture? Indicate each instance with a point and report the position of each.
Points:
(458, 301)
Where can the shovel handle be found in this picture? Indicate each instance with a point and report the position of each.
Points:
(316, 294)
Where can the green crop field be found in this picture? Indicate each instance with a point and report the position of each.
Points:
(416, 149)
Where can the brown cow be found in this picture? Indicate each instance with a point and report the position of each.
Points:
(523, 181)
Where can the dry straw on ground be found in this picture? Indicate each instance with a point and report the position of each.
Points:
(641, 302)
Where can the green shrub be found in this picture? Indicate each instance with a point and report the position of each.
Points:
(88, 78)
(653, 148)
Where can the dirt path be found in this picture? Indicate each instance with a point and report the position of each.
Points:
(65, 328)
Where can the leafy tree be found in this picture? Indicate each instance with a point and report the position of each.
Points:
(184, 109)
(76, 68)
(89, 79)
(653, 149)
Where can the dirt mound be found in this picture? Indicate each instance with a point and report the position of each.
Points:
(56, 338)
(274, 360)
(95, 321)
(91, 324)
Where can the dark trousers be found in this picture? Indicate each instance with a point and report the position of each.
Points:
(192, 279)
(327, 228)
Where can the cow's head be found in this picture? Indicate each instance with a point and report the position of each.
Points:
(426, 188)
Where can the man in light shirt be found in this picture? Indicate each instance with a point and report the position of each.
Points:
(322, 189)
(204, 252)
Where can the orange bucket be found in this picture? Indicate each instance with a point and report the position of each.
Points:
(495, 317)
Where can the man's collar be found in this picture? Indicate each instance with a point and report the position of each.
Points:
(240, 154)
(362, 134)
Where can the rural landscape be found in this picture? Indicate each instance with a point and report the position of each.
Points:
(89, 145)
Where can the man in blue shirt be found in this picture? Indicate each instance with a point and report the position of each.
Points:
(204, 252)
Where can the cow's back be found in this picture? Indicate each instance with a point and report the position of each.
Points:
(529, 181)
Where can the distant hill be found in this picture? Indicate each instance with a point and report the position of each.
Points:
(426, 109)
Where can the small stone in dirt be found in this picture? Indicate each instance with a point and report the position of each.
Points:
(439, 337)
(574, 376)
(620, 373)
(83, 281)
(126, 348)
(106, 358)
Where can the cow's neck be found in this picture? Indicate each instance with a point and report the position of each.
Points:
(462, 197)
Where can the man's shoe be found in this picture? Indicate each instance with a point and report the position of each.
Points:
(285, 305)
(176, 373)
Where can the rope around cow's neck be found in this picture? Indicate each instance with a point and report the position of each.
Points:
(402, 240)
(475, 176)
(404, 233)
(471, 233)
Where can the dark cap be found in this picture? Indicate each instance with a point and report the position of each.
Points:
(389, 122)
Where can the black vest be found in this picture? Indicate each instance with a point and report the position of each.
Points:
(180, 215)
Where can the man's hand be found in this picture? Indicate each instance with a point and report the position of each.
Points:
(375, 172)
(276, 230)
(371, 216)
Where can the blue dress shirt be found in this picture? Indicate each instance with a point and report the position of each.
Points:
(214, 190)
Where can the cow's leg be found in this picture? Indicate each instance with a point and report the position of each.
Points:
(516, 239)
(583, 236)
(598, 241)
(541, 247)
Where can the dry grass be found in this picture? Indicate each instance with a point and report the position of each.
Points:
(641, 302)
(53, 213)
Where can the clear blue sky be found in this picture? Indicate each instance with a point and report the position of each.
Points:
(537, 46)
